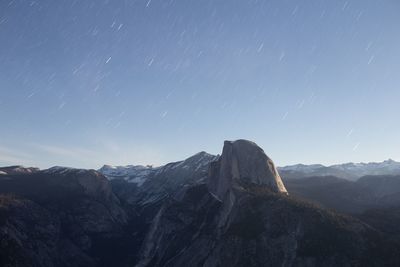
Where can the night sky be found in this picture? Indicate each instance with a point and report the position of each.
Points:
(87, 83)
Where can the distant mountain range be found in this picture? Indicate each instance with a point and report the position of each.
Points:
(138, 174)
(236, 209)
(350, 171)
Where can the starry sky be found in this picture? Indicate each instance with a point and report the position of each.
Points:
(87, 83)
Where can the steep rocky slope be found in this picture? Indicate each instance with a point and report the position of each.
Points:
(59, 217)
(232, 210)
(145, 185)
(243, 217)
(241, 162)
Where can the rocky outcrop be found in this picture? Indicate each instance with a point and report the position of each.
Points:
(243, 163)
(244, 217)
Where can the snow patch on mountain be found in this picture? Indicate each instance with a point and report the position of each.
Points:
(63, 170)
(351, 171)
(132, 173)
(139, 174)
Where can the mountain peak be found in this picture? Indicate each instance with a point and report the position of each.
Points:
(18, 169)
(390, 161)
(243, 162)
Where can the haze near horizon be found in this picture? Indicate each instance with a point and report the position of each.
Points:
(87, 83)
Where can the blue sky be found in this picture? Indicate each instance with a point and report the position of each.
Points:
(86, 83)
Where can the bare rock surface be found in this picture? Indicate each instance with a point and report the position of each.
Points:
(243, 216)
(243, 162)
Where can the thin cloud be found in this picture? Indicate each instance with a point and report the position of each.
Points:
(10, 156)
(71, 152)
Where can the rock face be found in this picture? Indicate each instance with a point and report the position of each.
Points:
(207, 210)
(243, 216)
(264, 229)
(60, 217)
(144, 190)
(243, 163)
(145, 185)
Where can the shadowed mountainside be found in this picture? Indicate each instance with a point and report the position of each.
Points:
(369, 192)
(232, 210)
